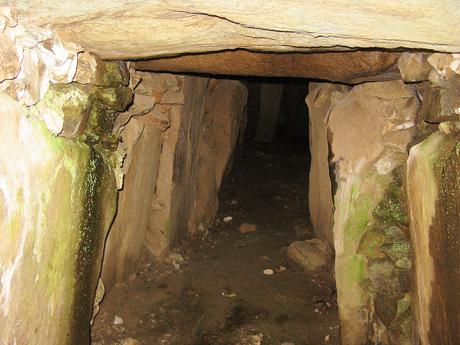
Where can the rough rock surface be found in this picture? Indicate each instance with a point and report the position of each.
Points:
(57, 204)
(156, 28)
(205, 117)
(314, 256)
(204, 151)
(414, 67)
(440, 96)
(370, 128)
(434, 211)
(346, 67)
(126, 238)
(170, 93)
(57, 195)
(321, 97)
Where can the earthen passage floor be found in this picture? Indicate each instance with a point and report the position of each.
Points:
(219, 294)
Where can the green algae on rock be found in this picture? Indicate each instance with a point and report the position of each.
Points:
(55, 230)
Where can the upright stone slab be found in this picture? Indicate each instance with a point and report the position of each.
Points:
(171, 87)
(127, 234)
(211, 123)
(370, 129)
(433, 185)
(320, 98)
(57, 186)
(197, 146)
(57, 199)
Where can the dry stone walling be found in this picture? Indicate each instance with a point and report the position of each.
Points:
(371, 207)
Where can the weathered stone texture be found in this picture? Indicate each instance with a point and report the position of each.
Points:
(345, 67)
(315, 258)
(320, 98)
(414, 67)
(433, 185)
(156, 28)
(58, 195)
(127, 234)
(204, 151)
(201, 119)
(58, 201)
(369, 130)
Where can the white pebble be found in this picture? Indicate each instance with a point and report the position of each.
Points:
(268, 271)
(227, 219)
(117, 320)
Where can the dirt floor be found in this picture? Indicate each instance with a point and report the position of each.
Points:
(213, 290)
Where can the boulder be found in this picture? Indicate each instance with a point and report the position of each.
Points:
(414, 67)
(314, 257)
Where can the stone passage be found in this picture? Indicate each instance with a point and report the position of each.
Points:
(180, 135)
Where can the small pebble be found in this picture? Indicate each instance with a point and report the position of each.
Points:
(130, 341)
(268, 271)
(246, 228)
(117, 320)
(227, 219)
(327, 338)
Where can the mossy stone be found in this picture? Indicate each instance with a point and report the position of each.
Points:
(391, 210)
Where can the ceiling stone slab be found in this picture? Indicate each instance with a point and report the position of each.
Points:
(117, 29)
(346, 67)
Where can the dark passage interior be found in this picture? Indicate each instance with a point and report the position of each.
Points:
(234, 283)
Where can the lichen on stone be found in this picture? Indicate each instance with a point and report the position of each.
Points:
(391, 210)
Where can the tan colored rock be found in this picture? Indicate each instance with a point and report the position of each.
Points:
(126, 237)
(130, 341)
(100, 292)
(156, 28)
(414, 67)
(57, 200)
(321, 97)
(90, 69)
(347, 67)
(66, 108)
(9, 59)
(315, 257)
(433, 164)
(370, 129)
(207, 150)
(441, 63)
(440, 103)
(247, 228)
(158, 235)
(197, 147)
(31, 60)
